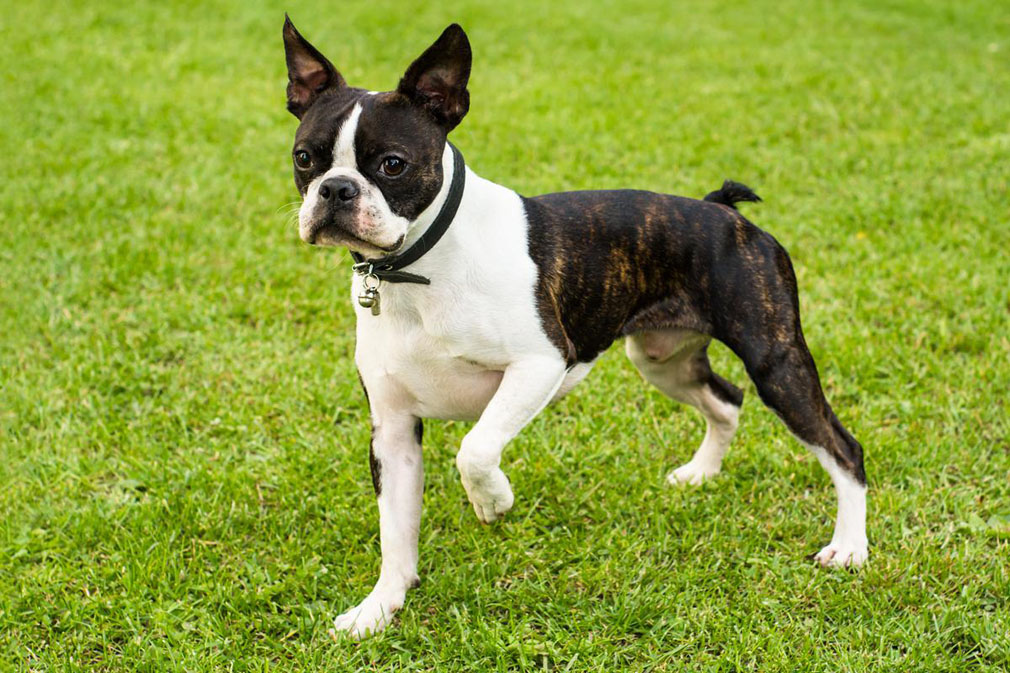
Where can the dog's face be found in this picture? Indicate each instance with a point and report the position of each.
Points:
(368, 164)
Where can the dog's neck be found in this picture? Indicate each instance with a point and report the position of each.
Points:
(428, 215)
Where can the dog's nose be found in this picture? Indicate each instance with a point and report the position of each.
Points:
(341, 188)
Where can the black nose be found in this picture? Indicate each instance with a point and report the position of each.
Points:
(344, 189)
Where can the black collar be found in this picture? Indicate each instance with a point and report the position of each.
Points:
(388, 268)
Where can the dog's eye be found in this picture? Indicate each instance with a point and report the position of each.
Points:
(393, 166)
(303, 159)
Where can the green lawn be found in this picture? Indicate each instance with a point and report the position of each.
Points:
(183, 442)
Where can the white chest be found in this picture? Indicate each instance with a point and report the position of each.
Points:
(427, 375)
(439, 350)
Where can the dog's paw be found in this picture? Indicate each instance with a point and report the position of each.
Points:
(369, 617)
(490, 495)
(842, 555)
(692, 474)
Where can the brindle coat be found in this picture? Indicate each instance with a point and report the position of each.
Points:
(615, 263)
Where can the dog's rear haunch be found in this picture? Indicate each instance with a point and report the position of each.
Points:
(474, 302)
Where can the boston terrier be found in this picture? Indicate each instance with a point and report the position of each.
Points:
(476, 303)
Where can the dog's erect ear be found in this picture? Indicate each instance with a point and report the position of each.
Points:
(437, 80)
(309, 73)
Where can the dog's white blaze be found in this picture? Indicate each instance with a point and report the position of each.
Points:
(343, 148)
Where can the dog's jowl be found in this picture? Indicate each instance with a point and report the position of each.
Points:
(476, 303)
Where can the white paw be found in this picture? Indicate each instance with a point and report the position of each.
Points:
(842, 554)
(691, 473)
(490, 494)
(370, 616)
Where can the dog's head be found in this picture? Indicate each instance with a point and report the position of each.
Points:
(368, 164)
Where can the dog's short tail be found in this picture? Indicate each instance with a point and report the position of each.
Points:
(732, 193)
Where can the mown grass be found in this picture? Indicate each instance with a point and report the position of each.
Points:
(184, 444)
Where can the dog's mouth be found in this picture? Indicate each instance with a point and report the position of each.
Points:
(329, 234)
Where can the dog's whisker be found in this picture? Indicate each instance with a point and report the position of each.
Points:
(294, 205)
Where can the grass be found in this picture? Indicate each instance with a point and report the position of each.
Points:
(183, 443)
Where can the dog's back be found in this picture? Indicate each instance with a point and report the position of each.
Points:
(617, 261)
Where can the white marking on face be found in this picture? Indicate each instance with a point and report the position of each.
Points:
(343, 149)
(372, 221)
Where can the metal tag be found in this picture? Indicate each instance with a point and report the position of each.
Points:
(370, 299)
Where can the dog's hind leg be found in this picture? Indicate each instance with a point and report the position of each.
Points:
(787, 381)
(676, 362)
(764, 330)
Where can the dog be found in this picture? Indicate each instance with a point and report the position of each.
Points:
(475, 303)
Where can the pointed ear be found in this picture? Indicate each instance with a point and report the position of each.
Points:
(309, 73)
(437, 80)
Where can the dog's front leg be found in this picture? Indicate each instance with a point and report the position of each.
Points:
(526, 388)
(398, 478)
